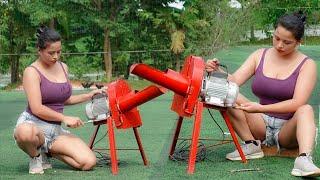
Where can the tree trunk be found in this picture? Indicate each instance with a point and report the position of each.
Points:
(14, 59)
(107, 54)
(252, 38)
(178, 62)
(52, 23)
(14, 69)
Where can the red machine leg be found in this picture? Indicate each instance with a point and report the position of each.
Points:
(176, 136)
(195, 137)
(234, 137)
(93, 137)
(112, 143)
(144, 158)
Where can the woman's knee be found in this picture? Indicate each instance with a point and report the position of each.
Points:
(307, 108)
(234, 112)
(304, 113)
(88, 163)
(25, 133)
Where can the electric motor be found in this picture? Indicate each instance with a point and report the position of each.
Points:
(217, 90)
(98, 109)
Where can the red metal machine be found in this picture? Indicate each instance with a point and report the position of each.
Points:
(124, 114)
(187, 87)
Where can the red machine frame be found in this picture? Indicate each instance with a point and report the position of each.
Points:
(187, 86)
(123, 104)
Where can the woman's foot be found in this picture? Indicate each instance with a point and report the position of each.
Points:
(251, 150)
(35, 165)
(46, 164)
(303, 166)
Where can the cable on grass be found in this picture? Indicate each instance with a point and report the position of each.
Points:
(182, 151)
(103, 157)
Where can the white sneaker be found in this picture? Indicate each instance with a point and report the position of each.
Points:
(46, 164)
(303, 166)
(35, 165)
(251, 151)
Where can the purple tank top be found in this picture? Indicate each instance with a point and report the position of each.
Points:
(53, 94)
(271, 90)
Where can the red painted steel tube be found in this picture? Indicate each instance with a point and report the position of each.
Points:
(176, 136)
(113, 150)
(233, 135)
(195, 138)
(143, 155)
(93, 137)
(169, 79)
(131, 101)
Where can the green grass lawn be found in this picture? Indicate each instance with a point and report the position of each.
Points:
(158, 125)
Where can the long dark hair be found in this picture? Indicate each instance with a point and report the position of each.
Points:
(294, 23)
(46, 35)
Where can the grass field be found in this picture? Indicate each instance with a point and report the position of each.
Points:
(156, 133)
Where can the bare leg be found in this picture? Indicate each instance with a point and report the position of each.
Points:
(29, 138)
(73, 151)
(300, 130)
(249, 126)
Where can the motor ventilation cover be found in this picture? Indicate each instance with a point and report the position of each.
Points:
(217, 90)
(98, 108)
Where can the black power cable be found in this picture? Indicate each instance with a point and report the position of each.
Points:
(182, 150)
(103, 158)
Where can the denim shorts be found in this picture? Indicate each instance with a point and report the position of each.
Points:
(273, 126)
(50, 131)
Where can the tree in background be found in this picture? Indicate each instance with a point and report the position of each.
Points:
(20, 20)
(4, 43)
(217, 26)
(123, 32)
(170, 20)
(266, 12)
(16, 33)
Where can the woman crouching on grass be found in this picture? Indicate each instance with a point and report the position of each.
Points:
(283, 80)
(38, 131)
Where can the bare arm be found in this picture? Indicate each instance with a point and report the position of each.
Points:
(76, 99)
(31, 85)
(242, 74)
(247, 69)
(305, 84)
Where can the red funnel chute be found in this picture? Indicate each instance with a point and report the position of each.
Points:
(186, 84)
(124, 114)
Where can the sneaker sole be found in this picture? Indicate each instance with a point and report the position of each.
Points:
(46, 166)
(41, 172)
(251, 156)
(299, 173)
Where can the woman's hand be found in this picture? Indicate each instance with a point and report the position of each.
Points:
(212, 65)
(93, 92)
(251, 107)
(72, 122)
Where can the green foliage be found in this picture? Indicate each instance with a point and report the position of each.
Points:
(139, 31)
(218, 26)
(25, 61)
(11, 86)
(266, 12)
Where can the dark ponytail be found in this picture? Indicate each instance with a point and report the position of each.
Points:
(46, 35)
(294, 23)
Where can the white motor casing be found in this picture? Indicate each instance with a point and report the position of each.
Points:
(98, 108)
(217, 90)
